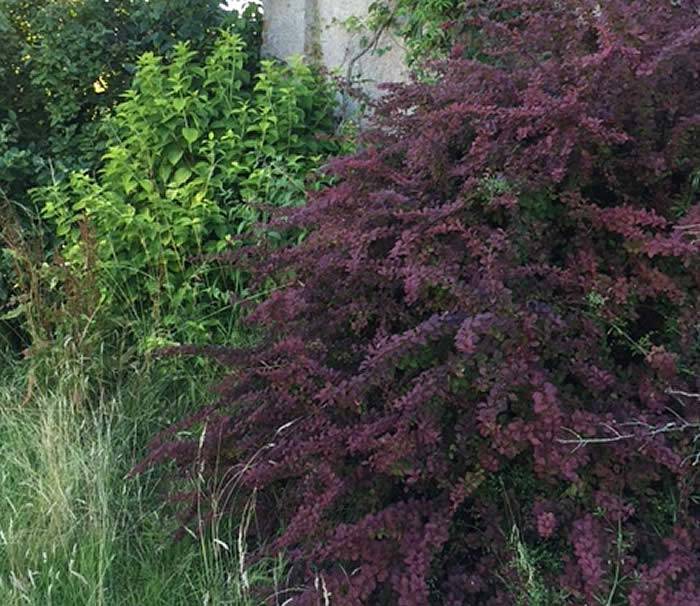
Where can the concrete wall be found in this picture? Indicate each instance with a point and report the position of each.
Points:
(314, 28)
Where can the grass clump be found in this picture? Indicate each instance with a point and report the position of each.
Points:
(75, 532)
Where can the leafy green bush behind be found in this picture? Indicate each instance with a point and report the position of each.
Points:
(65, 66)
(194, 148)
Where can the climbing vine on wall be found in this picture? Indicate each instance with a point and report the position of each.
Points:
(423, 25)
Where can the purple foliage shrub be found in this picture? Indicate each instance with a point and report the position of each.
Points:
(493, 323)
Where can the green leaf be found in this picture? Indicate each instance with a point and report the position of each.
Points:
(164, 172)
(147, 186)
(173, 153)
(190, 134)
(181, 175)
(15, 312)
(63, 229)
(128, 184)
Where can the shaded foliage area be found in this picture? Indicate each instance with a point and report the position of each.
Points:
(65, 65)
(465, 395)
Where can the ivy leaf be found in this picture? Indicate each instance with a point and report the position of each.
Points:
(190, 134)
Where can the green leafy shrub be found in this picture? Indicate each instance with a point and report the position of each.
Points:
(196, 149)
(65, 65)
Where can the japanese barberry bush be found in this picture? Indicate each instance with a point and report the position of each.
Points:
(198, 150)
(480, 384)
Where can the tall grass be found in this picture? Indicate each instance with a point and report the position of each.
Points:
(75, 532)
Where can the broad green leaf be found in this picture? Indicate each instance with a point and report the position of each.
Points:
(164, 172)
(173, 153)
(190, 134)
(147, 185)
(181, 175)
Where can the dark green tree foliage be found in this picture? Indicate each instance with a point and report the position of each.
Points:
(64, 63)
(480, 386)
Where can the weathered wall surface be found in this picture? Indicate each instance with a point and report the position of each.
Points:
(315, 29)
